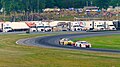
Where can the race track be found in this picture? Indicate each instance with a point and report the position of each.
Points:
(53, 41)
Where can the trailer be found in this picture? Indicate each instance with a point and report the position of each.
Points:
(59, 25)
(116, 23)
(109, 25)
(91, 25)
(14, 26)
(62, 26)
(97, 25)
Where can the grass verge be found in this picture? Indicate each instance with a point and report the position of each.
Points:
(108, 42)
(13, 55)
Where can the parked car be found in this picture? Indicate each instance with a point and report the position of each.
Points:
(66, 41)
(82, 44)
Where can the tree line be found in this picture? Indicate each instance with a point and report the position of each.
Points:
(38, 5)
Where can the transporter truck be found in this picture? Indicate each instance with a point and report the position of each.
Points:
(14, 26)
(43, 26)
(91, 25)
(74, 26)
(97, 25)
(6, 27)
(32, 26)
(40, 27)
(109, 25)
(116, 23)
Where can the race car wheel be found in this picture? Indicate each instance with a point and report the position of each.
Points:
(87, 46)
(80, 45)
(69, 43)
(59, 42)
(64, 43)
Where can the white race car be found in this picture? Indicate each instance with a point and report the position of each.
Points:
(82, 44)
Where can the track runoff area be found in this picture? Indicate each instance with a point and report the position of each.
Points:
(53, 41)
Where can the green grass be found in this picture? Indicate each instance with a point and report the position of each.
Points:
(108, 42)
(13, 55)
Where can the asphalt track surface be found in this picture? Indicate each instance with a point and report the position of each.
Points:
(53, 41)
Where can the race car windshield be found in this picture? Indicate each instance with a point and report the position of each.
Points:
(67, 39)
(84, 42)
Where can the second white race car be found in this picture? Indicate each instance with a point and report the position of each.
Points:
(82, 44)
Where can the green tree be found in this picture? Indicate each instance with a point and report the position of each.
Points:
(102, 3)
(114, 2)
(38, 5)
(50, 3)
